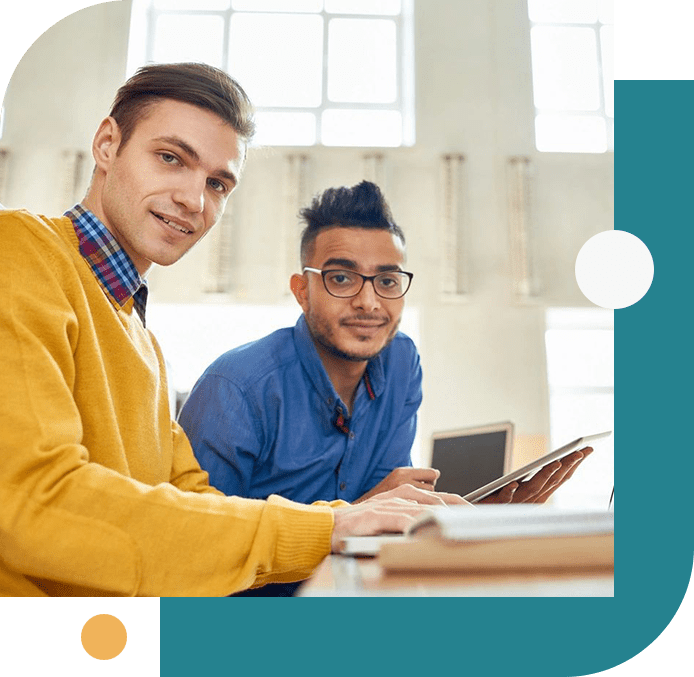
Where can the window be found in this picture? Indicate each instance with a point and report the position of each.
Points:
(580, 371)
(330, 72)
(572, 61)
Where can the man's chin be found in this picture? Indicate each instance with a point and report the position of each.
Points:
(364, 354)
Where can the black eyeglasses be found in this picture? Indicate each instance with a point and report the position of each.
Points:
(346, 283)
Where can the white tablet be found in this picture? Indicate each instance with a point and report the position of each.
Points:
(528, 470)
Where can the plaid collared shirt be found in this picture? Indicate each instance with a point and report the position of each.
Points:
(111, 265)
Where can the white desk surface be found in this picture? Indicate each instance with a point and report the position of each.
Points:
(340, 576)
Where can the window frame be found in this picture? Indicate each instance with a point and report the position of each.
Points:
(141, 47)
(601, 111)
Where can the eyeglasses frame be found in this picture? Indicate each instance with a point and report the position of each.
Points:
(364, 279)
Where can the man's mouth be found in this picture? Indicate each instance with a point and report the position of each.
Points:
(365, 324)
(172, 224)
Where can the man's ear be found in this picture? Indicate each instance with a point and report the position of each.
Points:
(106, 143)
(299, 286)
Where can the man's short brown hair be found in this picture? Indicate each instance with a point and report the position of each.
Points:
(195, 83)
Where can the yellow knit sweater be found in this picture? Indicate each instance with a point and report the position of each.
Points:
(99, 490)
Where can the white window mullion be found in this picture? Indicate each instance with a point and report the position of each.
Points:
(287, 121)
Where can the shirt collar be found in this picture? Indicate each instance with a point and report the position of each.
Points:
(109, 262)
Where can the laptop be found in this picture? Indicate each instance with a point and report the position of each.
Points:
(471, 457)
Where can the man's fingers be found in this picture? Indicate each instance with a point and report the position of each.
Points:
(424, 475)
(423, 485)
(412, 493)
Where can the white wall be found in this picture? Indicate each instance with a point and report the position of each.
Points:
(483, 355)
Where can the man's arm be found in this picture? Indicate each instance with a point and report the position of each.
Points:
(225, 435)
(74, 526)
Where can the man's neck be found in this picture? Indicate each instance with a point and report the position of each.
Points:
(345, 375)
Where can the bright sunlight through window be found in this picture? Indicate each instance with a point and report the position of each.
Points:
(329, 72)
(580, 371)
(573, 81)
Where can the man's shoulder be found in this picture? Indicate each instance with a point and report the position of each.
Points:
(37, 242)
(252, 362)
(20, 225)
(402, 345)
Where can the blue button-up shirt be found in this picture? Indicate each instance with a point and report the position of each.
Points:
(265, 419)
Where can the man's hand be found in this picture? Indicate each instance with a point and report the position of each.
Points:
(422, 478)
(542, 484)
(388, 512)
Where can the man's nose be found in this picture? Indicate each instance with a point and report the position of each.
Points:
(190, 193)
(367, 298)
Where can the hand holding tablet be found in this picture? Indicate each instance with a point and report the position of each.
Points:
(536, 481)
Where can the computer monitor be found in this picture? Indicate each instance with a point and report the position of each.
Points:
(472, 457)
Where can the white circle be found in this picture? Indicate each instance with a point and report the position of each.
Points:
(614, 269)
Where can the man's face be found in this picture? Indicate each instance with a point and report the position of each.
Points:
(360, 327)
(169, 184)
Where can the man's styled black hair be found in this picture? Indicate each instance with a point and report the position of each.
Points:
(361, 206)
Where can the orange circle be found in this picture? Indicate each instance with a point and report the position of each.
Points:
(104, 637)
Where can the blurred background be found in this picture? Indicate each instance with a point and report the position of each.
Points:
(489, 127)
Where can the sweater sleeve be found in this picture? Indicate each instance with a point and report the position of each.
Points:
(75, 527)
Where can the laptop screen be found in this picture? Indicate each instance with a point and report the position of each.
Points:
(469, 459)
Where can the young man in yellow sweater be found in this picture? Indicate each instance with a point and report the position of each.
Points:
(100, 493)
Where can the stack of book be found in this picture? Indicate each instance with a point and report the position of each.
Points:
(503, 538)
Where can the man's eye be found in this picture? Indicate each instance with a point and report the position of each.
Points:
(217, 186)
(341, 278)
(168, 158)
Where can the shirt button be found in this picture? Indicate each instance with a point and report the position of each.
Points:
(351, 436)
(343, 486)
(330, 400)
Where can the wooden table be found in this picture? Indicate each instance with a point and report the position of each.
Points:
(340, 576)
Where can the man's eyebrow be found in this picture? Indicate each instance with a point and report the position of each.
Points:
(193, 155)
(352, 265)
(343, 263)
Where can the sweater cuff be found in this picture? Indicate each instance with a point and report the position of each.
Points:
(303, 534)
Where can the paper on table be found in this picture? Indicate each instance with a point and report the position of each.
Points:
(490, 522)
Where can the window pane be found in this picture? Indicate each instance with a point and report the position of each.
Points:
(574, 415)
(275, 67)
(367, 74)
(607, 47)
(580, 357)
(278, 5)
(607, 11)
(570, 133)
(361, 128)
(563, 11)
(285, 129)
(188, 37)
(187, 4)
(363, 6)
(565, 68)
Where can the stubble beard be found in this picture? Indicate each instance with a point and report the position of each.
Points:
(322, 334)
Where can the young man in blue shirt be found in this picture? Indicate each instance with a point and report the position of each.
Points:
(326, 409)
